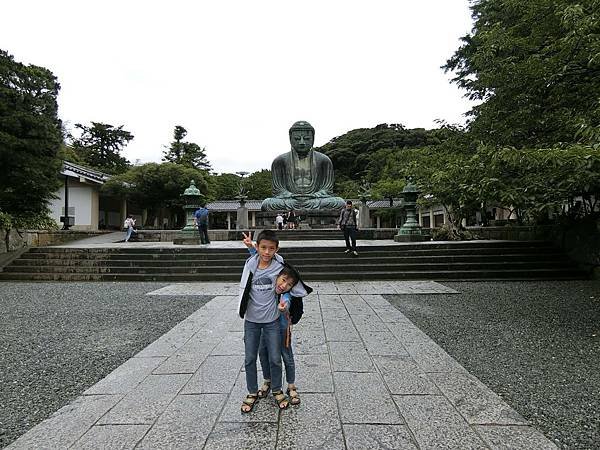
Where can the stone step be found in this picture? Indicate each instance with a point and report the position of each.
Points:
(316, 266)
(449, 260)
(531, 274)
(338, 258)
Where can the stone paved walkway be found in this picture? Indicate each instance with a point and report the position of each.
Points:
(368, 379)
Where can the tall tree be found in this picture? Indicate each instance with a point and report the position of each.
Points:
(188, 154)
(30, 136)
(100, 146)
(259, 184)
(156, 187)
(535, 67)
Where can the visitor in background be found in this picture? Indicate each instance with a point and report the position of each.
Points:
(291, 219)
(279, 221)
(201, 221)
(129, 227)
(348, 223)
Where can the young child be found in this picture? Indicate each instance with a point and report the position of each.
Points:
(260, 310)
(286, 280)
(287, 275)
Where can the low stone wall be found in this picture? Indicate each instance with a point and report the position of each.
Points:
(580, 241)
(18, 239)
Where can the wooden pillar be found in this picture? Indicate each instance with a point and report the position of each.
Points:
(431, 218)
(228, 220)
(253, 219)
(378, 222)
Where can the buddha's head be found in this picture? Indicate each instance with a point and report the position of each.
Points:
(302, 137)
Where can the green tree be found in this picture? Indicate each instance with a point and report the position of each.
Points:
(157, 187)
(186, 154)
(259, 184)
(100, 146)
(223, 187)
(534, 67)
(30, 136)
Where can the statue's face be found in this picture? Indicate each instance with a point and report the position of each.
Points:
(302, 141)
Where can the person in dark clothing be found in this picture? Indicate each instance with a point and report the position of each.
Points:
(349, 225)
(201, 220)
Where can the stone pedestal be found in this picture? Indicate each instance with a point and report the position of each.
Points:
(242, 218)
(364, 219)
(309, 219)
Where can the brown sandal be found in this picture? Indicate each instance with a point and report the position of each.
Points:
(249, 401)
(264, 389)
(281, 399)
(292, 393)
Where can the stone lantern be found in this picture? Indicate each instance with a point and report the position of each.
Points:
(410, 231)
(193, 200)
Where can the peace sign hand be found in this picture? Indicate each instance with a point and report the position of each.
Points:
(248, 239)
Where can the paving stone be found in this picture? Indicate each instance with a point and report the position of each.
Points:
(376, 300)
(216, 374)
(111, 436)
(147, 401)
(350, 357)
(363, 398)
(314, 424)
(475, 401)
(346, 288)
(331, 301)
(432, 358)
(389, 314)
(407, 332)
(435, 423)
(403, 376)
(231, 344)
(500, 437)
(335, 315)
(341, 330)
(68, 424)
(309, 342)
(168, 343)
(264, 411)
(356, 305)
(246, 436)
(368, 322)
(125, 377)
(186, 359)
(382, 343)
(384, 437)
(313, 373)
(186, 423)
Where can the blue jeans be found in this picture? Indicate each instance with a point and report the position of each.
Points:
(286, 353)
(129, 231)
(252, 336)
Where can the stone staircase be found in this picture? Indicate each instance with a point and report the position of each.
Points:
(475, 260)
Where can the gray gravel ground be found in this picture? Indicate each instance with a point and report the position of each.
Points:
(537, 344)
(58, 339)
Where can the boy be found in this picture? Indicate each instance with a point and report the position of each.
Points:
(286, 280)
(260, 310)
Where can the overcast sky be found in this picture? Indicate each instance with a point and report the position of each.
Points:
(237, 74)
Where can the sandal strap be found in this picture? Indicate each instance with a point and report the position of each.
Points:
(250, 399)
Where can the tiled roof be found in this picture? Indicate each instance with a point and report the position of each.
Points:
(233, 205)
(254, 205)
(76, 170)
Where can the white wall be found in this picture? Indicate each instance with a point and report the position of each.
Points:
(80, 198)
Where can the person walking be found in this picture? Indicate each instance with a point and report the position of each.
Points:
(129, 227)
(348, 223)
